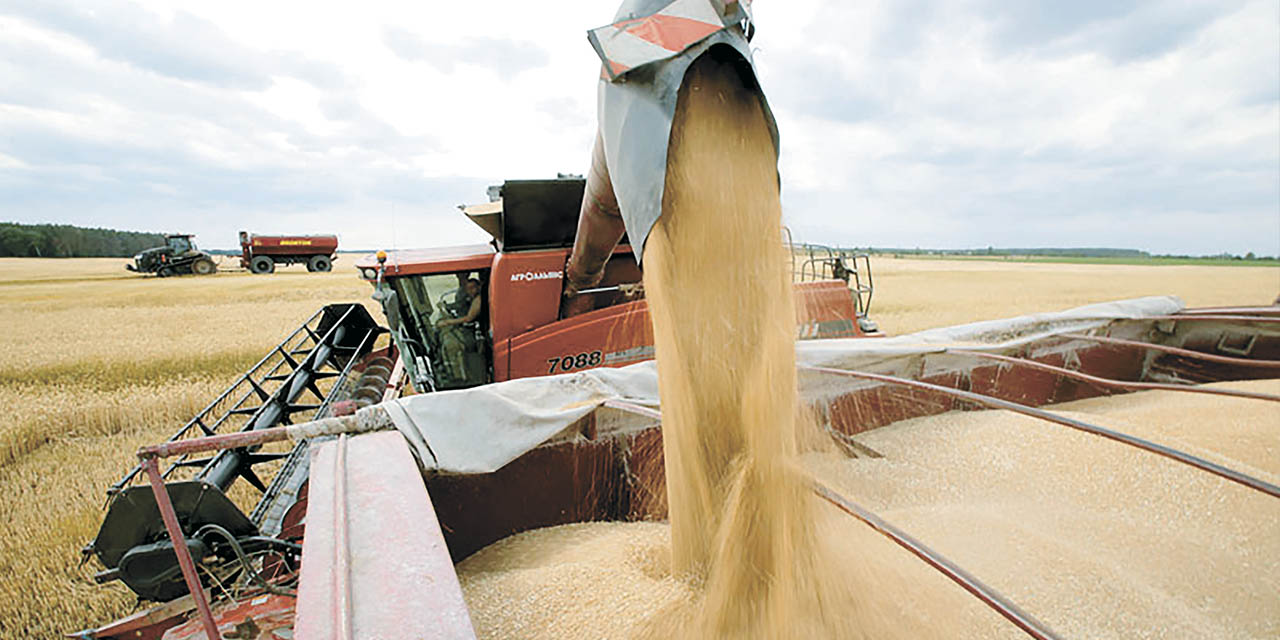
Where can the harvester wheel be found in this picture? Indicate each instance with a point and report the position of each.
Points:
(262, 264)
(319, 263)
(203, 267)
(165, 272)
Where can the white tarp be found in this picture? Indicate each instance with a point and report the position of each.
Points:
(989, 335)
(481, 429)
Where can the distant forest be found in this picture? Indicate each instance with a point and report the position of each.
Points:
(66, 241)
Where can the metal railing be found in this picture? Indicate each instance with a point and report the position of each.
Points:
(813, 262)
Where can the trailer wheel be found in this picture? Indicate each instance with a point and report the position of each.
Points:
(262, 264)
(203, 267)
(319, 263)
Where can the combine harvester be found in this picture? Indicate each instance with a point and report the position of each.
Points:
(537, 408)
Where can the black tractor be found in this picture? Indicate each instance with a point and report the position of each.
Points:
(178, 256)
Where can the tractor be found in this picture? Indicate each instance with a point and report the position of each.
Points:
(178, 256)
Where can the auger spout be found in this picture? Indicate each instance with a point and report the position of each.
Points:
(637, 95)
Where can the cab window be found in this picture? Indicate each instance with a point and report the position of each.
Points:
(445, 317)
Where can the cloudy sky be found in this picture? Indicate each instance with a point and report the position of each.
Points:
(931, 123)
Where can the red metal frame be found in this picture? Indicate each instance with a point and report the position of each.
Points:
(1119, 361)
(1186, 353)
(1124, 438)
(180, 546)
(1260, 319)
(373, 544)
(1251, 311)
(150, 455)
(992, 598)
(472, 257)
(1117, 384)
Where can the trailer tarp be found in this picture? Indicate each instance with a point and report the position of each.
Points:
(481, 429)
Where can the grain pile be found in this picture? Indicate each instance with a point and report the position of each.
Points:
(1096, 539)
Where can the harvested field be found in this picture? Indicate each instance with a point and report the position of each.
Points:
(920, 294)
(95, 361)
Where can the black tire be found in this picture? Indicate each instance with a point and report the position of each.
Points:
(204, 267)
(262, 264)
(319, 263)
(165, 272)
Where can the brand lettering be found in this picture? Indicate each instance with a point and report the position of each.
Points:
(294, 242)
(534, 275)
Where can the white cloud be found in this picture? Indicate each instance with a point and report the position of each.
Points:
(907, 123)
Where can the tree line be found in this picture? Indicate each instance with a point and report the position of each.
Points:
(1075, 252)
(67, 241)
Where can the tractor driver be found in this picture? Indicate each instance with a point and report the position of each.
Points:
(455, 338)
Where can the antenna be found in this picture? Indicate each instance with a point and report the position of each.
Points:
(395, 253)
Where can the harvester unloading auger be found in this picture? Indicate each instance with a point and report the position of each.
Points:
(356, 536)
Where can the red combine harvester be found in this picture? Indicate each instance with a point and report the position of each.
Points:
(261, 254)
(522, 329)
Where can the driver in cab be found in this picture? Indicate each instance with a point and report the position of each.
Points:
(455, 340)
(471, 300)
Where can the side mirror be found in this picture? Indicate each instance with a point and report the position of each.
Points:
(390, 306)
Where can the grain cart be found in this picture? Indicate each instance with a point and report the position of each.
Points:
(178, 256)
(261, 254)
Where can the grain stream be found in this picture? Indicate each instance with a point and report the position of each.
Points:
(743, 527)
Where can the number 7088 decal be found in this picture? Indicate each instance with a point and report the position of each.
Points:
(574, 361)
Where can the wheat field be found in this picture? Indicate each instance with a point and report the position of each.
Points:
(96, 361)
